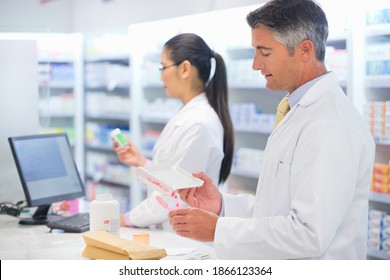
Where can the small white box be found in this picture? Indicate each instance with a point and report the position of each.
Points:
(167, 179)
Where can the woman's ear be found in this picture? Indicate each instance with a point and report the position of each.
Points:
(185, 69)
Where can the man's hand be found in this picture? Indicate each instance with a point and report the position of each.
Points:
(206, 197)
(194, 223)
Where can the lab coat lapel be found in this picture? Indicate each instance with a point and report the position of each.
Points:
(311, 96)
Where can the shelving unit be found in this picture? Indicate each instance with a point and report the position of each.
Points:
(107, 106)
(252, 109)
(60, 85)
(336, 59)
(153, 108)
(377, 89)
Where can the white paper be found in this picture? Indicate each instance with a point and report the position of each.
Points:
(178, 251)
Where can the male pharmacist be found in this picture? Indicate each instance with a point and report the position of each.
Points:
(312, 196)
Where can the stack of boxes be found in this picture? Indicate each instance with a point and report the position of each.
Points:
(107, 105)
(378, 61)
(381, 178)
(381, 16)
(379, 231)
(377, 115)
(161, 108)
(336, 60)
(249, 117)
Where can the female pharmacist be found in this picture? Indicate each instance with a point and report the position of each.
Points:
(200, 135)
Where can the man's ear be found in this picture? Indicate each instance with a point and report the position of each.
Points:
(306, 49)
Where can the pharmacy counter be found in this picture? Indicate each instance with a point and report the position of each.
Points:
(19, 242)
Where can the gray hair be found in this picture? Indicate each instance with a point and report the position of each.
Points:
(292, 21)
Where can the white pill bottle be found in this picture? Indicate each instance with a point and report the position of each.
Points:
(104, 214)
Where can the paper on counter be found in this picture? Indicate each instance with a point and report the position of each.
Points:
(179, 251)
(186, 254)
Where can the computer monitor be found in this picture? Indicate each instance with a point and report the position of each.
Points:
(47, 172)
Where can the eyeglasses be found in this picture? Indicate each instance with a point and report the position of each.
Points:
(162, 69)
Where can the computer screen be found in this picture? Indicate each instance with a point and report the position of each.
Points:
(47, 172)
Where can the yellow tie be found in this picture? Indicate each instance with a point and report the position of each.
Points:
(282, 110)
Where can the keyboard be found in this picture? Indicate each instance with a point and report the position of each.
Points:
(76, 223)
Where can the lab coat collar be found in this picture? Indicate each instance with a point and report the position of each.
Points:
(194, 102)
(327, 81)
(314, 93)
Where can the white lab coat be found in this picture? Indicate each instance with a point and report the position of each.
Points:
(193, 140)
(312, 195)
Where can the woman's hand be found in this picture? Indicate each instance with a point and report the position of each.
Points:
(129, 154)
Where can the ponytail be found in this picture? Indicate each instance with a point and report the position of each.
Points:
(217, 94)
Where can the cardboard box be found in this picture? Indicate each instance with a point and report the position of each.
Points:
(106, 246)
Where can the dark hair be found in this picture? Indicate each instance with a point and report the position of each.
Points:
(191, 47)
(291, 21)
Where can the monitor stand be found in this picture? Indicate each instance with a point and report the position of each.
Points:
(40, 217)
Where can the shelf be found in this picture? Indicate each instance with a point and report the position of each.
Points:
(60, 60)
(153, 85)
(116, 90)
(109, 181)
(260, 84)
(383, 255)
(58, 84)
(100, 148)
(58, 115)
(382, 140)
(240, 53)
(108, 58)
(380, 81)
(337, 42)
(108, 117)
(245, 173)
(259, 130)
(160, 118)
(380, 197)
(378, 30)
